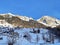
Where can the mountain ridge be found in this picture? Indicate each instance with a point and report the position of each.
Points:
(28, 22)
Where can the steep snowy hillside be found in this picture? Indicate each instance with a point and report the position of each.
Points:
(28, 36)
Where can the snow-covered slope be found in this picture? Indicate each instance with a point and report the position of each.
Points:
(5, 24)
(32, 38)
(29, 35)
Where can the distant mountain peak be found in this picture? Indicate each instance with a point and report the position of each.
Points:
(50, 21)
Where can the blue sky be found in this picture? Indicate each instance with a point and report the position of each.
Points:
(31, 8)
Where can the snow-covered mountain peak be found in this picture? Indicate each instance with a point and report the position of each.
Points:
(50, 21)
(44, 17)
